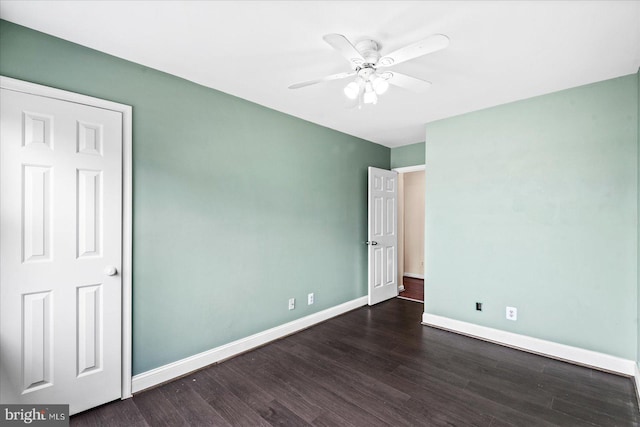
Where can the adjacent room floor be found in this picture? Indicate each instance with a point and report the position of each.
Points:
(379, 366)
(413, 289)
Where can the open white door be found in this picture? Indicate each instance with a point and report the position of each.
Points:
(61, 252)
(383, 235)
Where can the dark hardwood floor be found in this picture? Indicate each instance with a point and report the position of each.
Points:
(413, 289)
(378, 366)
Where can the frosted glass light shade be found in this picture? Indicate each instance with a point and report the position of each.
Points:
(370, 97)
(380, 85)
(352, 90)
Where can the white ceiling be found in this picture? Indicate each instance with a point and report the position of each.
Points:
(500, 51)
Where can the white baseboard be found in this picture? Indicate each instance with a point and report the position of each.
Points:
(181, 367)
(413, 275)
(555, 350)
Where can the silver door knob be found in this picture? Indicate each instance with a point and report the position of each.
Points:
(110, 270)
(372, 243)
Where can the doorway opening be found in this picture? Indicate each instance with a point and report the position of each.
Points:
(411, 202)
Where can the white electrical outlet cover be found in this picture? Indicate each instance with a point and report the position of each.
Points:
(512, 313)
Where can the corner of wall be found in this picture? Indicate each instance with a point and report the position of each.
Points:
(637, 373)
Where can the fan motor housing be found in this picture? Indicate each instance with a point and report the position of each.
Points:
(369, 51)
(365, 72)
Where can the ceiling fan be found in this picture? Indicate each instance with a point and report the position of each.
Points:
(368, 67)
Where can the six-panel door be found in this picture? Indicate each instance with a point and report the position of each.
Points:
(60, 222)
(383, 235)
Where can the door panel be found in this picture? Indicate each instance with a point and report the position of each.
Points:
(89, 321)
(88, 198)
(383, 237)
(37, 356)
(36, 213)
(60, 221)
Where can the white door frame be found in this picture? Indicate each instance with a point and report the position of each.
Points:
(126, 110)
(407, 169)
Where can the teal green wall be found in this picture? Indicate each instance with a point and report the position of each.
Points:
(534, 205)
(407, 155)
(237, 207)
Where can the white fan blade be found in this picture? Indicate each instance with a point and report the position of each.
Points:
(344, 46)
(408, 82)
(324, 79)
(423, 47)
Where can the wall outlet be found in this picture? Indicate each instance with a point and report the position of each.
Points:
(479, 306)
(310, 299)
(292, 303)
(512, 313)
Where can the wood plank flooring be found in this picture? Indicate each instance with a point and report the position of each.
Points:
(378, 366)
(413, 289)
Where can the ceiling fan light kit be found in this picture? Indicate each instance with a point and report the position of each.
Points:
(352, 90)
(365, 59)
(381, 85)
(370, 97)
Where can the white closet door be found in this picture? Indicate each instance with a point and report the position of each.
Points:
(60, 252)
